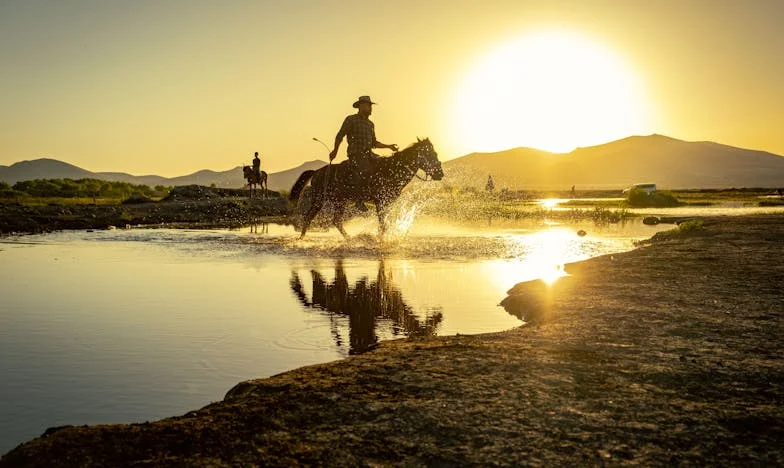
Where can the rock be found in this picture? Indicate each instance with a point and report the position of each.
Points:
(191, 192)
(651, 220)
(531, 301)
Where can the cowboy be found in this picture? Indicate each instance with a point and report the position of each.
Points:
(257, 165)
(360, 133)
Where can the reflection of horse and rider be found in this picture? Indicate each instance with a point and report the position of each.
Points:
(366, 303)
(366, 176)
(255, 176)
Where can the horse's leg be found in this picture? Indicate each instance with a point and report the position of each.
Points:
(337, 219)
(381, 212)
(315, 207)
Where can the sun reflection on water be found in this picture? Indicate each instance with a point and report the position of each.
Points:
(550, 203)
(543, 257)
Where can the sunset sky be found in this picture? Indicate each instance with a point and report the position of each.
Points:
(170, 87)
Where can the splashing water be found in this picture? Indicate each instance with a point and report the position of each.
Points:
(403, 219)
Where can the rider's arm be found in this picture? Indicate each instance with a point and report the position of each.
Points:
(378, 144)
(339, 138)
(334, 151)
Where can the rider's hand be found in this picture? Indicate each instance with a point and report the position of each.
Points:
(393, 147)
(332, 154)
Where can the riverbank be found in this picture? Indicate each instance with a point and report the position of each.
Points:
(186, 206)
(667, 354)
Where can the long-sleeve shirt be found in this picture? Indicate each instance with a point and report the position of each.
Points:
(360, 132)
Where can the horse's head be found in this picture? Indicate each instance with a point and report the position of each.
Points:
(246, 170)
(427, 159)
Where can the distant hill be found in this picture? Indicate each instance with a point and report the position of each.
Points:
(668, 162)
(54, 169)
(283, 180)
(45, 168)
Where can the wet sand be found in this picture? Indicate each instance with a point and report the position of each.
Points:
(669, 354)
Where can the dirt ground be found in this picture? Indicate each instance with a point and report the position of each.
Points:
(669, 354)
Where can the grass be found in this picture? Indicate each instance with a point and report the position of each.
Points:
(66, 201)
(689, 226)
(487, 208)
(707, 197)
(592, 203)
(772, 202)
(637, 198)
(43, 201)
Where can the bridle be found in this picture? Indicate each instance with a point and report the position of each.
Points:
(420, 162)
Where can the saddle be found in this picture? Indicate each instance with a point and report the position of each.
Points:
(352, 171)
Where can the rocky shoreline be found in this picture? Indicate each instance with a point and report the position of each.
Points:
(668, 354)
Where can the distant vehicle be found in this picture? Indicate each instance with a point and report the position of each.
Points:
(647, 188)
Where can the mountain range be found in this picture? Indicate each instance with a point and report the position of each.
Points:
(45, 168)
(666, 161)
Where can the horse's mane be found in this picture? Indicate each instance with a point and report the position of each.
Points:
(416, 143)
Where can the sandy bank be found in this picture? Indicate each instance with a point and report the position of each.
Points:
(667, 354)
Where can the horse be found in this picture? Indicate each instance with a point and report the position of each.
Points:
(255, 179)
(381, 184)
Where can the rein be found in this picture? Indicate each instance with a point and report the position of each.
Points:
(416, 170)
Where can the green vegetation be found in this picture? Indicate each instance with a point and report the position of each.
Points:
(26, 200)
(708, 197)
(78, 191)
(685, 228)
(772, 202)
(637, 198)
(592, 203)
(474, 205)
(690, 226)
(6, 191)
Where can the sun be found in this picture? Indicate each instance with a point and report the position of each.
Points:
(552, 90)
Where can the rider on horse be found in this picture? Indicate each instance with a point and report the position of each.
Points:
(257, 165)
(360, 133)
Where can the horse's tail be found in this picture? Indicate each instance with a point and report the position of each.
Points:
(296, 189)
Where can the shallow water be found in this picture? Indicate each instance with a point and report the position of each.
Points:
(135, 325)
(722, 208)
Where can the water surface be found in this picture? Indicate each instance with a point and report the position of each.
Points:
(135, 325)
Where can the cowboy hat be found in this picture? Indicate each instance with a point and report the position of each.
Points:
(361, 100)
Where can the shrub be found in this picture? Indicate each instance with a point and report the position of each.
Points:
(136, 198)
(772, 202)
(639, 198)
(690, 226)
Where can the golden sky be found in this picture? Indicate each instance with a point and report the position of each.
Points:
(170, 87)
